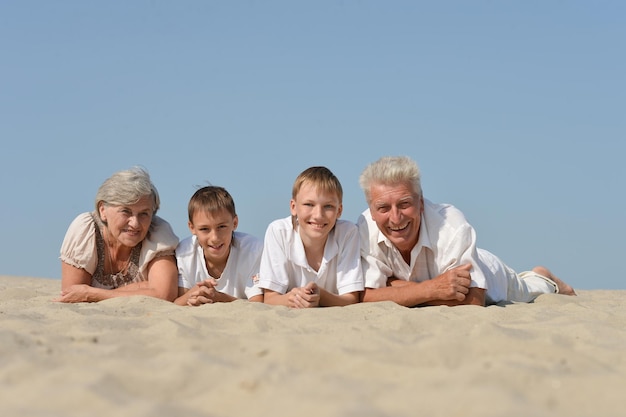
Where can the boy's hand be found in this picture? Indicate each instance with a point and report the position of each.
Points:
(305, 297)
(203, 293)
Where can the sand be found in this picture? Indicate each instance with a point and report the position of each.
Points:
(138, 356)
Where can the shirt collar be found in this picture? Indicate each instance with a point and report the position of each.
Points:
(331, 249)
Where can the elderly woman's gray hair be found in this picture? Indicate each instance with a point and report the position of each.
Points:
(125, 188)
(390, 170)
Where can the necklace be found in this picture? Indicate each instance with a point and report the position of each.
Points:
(120, 274)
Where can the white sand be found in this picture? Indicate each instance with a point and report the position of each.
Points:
(559, 356)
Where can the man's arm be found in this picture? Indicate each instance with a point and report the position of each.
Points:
(475, 296)
(450, 287)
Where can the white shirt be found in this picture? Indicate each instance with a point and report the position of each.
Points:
(446, 240)
(284, 265)
(239, 276)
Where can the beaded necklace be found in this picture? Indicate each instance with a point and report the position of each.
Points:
(122, 272)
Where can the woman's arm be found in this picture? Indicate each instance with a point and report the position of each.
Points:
(162, 283)
(70, 275)
(162, 280)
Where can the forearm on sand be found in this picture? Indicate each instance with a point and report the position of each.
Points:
(328, 299)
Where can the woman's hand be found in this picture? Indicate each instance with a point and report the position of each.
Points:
(80, 293)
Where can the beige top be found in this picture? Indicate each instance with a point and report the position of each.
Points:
(83, 247)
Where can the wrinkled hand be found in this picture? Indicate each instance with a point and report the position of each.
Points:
(203, 293)
(305, 297)
(75, 294)
(453, 284)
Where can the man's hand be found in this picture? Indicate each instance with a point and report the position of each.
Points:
(453, 284)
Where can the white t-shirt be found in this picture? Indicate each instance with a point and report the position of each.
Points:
(239, 276)
(284, 265)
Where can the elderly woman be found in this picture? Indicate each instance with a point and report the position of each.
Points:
(122, 248)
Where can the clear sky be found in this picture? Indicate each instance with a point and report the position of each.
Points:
(514, 110)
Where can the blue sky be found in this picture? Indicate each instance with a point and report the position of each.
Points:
(514, 110)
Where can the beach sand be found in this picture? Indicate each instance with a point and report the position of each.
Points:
(137, 356)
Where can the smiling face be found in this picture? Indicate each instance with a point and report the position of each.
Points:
(316, 212)
(128, 224)
(214, 230)
(397, 210)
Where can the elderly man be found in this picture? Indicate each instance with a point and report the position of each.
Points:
(416, 252)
